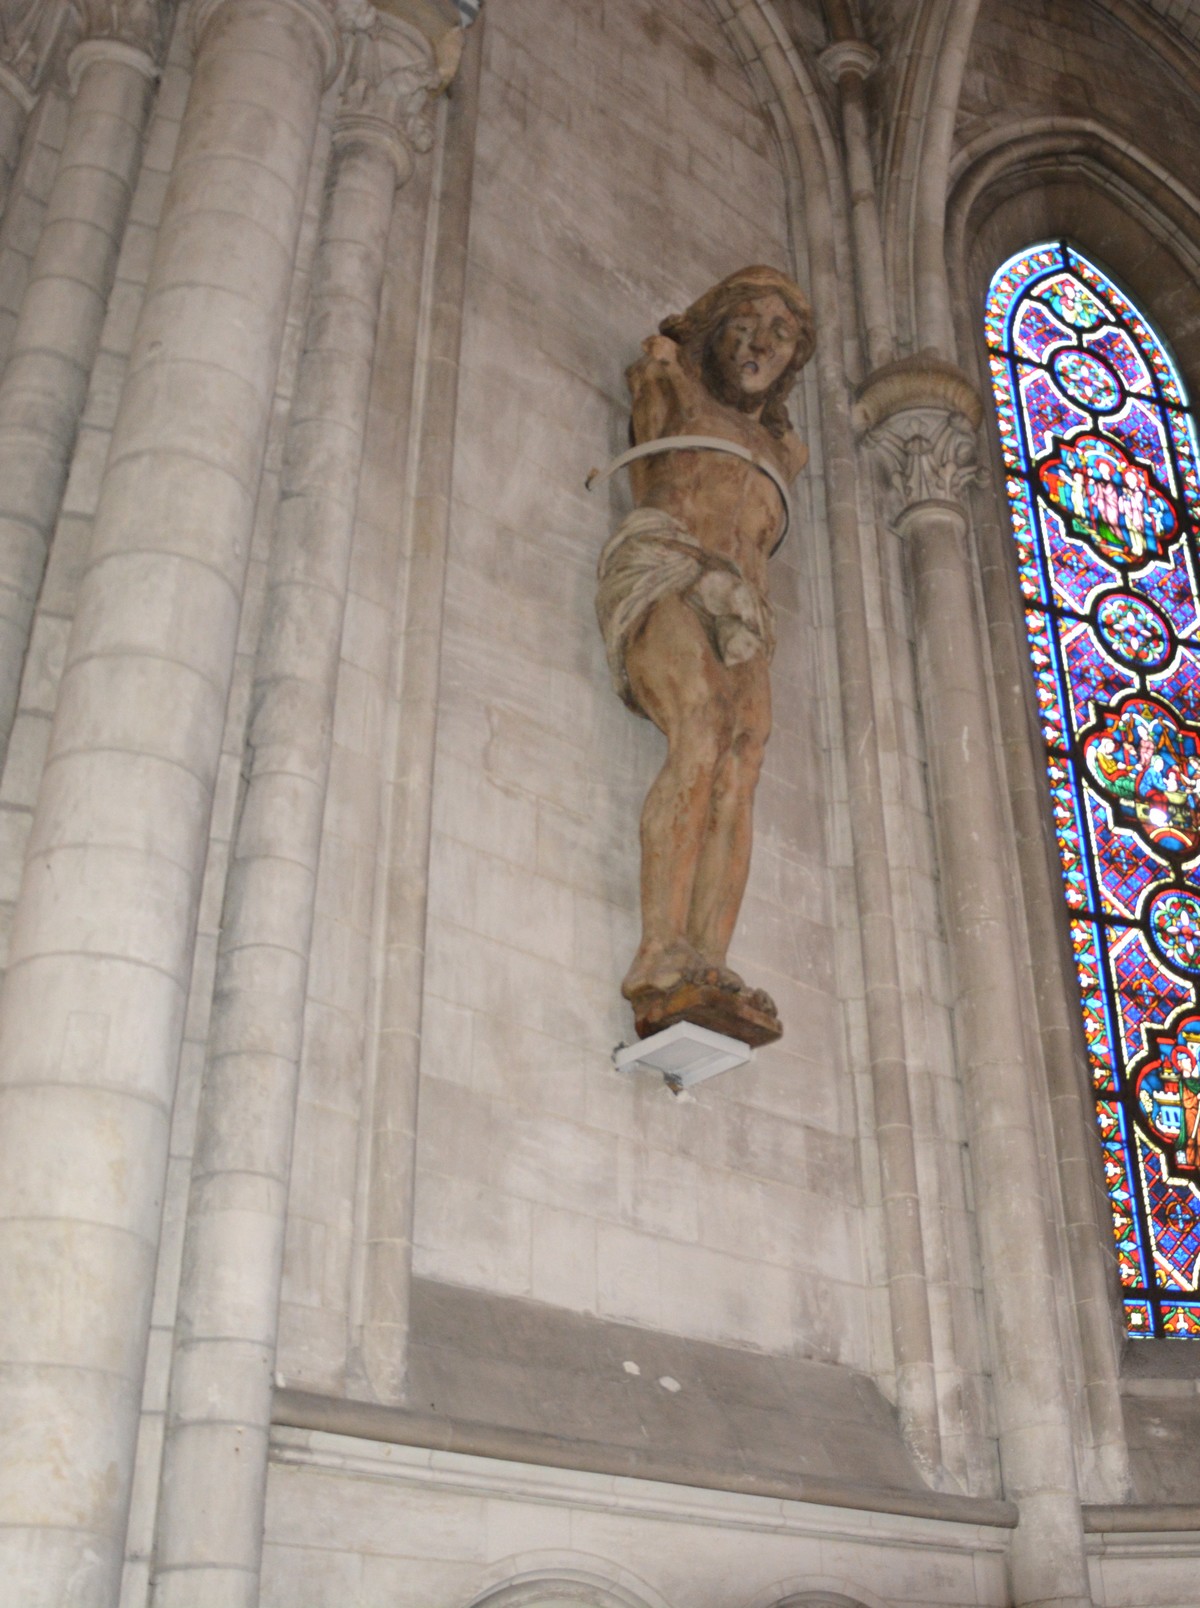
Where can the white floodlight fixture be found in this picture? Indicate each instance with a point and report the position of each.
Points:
(684, 1054)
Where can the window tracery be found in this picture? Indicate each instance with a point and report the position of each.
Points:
(1103, 487)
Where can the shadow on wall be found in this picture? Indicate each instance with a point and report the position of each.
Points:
(577, 1590)
(560, 1590)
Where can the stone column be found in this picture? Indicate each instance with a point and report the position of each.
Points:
(908, 1285)
(849, 63)
(388, 1217)
(921, 415)
(54, 345)
(209, 1545)
(92, 1009)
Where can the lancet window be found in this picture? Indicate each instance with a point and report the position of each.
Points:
(1103, 487)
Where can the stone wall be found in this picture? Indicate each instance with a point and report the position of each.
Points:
(731, 1215)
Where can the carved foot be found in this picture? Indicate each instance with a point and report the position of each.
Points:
(658, 968)
(741, 1013)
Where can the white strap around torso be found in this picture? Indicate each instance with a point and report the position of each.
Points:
(648, 449)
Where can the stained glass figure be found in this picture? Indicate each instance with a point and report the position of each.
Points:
(1103, 481)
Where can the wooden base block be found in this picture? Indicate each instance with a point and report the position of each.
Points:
(707, 1006)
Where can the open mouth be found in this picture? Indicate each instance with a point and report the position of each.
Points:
(750, 367)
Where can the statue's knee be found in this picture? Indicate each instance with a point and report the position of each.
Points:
(750, 746)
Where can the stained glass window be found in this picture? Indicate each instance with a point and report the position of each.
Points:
(1104, 489)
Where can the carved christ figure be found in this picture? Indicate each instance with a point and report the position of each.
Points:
(682, 603)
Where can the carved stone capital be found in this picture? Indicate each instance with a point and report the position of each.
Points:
(920, 416)
(849, 56)
(319, 13)
(137, 24)
(30, 31)
(392, 76)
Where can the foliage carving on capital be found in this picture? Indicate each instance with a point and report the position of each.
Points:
(930, 455)
(392, 74)
(137, 23)
(921, 416)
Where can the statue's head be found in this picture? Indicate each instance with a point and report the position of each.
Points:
(749, 337)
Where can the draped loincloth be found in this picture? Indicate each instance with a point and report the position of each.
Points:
(652, 555)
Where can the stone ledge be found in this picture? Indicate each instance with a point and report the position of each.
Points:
(1141, 1518)
(299, 1409)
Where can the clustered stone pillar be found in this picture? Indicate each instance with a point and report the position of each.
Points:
(92, 1011)
(58, 331)
(209, 1545)
(921, 415)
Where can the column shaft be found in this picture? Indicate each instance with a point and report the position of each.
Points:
(392, 1160)
(58, 332)
(210, 1522)
(1036, 1442)
(92, 1009)
(908, 1284)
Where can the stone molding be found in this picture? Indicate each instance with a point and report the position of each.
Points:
(392, 75)
(378, 1427)
(316, 12)
(920, 415)
(109, 49)
(849, 56)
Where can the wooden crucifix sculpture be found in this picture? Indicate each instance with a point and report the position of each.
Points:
(682, 604)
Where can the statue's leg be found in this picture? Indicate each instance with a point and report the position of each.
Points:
(680, 683)
(723, 864)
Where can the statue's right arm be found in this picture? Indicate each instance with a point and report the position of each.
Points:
(655, 382)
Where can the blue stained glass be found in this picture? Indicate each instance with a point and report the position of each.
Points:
(1171, 588)
(1174, 1225)
(1087, 380)
(1047, 411)
(1181, 689)
(1119, 351)
(1104, 487)
(1077, 572)
(1133, 632)
(1145, 435)
(1124, 869)
(1183, 435)
(1037, 333)
(1146, 992)
(1091, 676)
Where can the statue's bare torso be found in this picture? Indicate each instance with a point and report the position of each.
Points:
(728, 505)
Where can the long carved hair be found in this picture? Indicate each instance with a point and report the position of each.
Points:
(695, 333)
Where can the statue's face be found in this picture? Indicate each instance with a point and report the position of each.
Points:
(755, 344)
